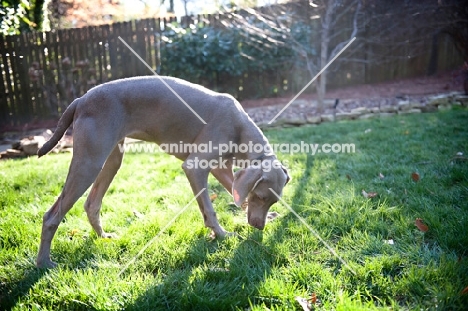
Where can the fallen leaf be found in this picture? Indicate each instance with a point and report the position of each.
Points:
(369, 195)
(381, 176)
(415, 176)
(420, 224)
(465, 291)
(313, 298)
(213, 197)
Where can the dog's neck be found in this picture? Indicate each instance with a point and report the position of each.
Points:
(256, 137)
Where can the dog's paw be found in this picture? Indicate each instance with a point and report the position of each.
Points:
(106, 235)
(224, 235)
(46, 264)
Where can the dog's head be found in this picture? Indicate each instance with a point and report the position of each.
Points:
(253, 183)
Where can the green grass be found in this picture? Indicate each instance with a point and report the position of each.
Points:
(183, 270)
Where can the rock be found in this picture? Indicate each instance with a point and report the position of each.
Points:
(31, 145)
(368, 116)
(404, 105)
(375, 110)
(439, 100)
(463, 100)
(388, 109)
(327, 118)
(386, 114)
(410, 111)
(279, 121)
(12, 154)
(263, 124)
(429, 108)
(360, 110)
(444, 107)
(313, 119)
(295, 120)
(346, 115)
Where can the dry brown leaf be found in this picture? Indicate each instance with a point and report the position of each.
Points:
(421, 225)
(369, 195)
(213, 197)
(415, 176)
(313, 298)
(465, 291)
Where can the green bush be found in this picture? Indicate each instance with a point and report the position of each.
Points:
(206, 53)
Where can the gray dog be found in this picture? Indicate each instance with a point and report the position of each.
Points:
(153, 109)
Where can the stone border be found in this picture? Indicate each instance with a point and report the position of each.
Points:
(303, 112)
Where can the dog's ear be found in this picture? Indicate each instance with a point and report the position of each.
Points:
(288, 178)
(245, 180)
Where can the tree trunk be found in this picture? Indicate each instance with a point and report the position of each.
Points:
(321, 90)
(325, 38)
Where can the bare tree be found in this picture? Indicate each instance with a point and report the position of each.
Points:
(316, 30)
(300, 25)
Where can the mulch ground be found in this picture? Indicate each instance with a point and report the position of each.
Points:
(416, 87)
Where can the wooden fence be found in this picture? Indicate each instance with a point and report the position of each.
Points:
(41, 73)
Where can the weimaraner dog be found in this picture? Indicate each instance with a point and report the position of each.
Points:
(157, 109)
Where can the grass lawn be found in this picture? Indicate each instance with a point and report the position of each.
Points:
(391, 264)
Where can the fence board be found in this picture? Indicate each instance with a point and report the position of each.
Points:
(42, 73)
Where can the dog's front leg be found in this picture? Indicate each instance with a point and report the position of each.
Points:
(198, 179)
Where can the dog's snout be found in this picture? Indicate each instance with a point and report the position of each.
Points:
(257, 223)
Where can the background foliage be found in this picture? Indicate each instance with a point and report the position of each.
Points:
(209, 53)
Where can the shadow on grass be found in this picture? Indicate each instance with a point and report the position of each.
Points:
(201, 284)
(12, 292)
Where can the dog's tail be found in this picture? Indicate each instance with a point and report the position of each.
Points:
(65, 120)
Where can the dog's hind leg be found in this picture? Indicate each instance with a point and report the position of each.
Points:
(100, 186)
(89, 155)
